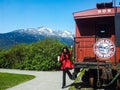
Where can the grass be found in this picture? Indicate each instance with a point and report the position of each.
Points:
(8, 80)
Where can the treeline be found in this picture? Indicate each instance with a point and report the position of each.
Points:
(36, 56)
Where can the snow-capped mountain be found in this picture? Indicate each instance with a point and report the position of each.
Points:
(47, 32)
(33, 35)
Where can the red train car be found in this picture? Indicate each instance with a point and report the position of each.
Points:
(97, 37)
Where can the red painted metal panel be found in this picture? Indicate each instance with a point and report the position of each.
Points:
(84, 48)
(96, 13)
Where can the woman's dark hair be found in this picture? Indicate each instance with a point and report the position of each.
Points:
(67, 51)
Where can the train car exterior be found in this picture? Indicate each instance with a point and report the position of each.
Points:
(97, 37)
(92, 26)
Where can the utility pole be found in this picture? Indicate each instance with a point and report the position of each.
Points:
(114, 3)
(115, 7)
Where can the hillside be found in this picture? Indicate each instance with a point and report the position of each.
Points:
(31, 35)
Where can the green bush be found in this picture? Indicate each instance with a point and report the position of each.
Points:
(41, 55)
(3, 62)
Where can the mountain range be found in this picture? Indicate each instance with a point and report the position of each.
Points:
(31, 35)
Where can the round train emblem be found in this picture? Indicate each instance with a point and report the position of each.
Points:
(104, 48)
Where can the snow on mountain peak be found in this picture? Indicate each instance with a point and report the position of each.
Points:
(67, 34)
(47, 31)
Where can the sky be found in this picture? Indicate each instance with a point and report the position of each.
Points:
(54, 14)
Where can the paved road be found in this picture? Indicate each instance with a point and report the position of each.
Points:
(43, 80)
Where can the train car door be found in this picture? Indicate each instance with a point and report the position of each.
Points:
(105, 39)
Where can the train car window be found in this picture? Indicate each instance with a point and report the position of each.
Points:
(103, 31)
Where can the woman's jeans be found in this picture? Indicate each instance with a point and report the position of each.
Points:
(64, 76)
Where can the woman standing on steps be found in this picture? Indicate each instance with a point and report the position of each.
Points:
(66, 64)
